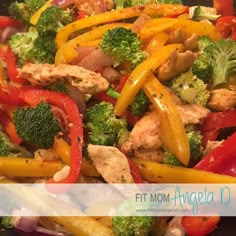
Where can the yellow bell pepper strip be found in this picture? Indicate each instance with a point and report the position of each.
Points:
(111, 16)
(68, 51)
(139, 75)
(156, 43)
(199, 28)
(82, 226)
(161, 173)
(34, 19)
(28, 167)
(172, 131)
(62, 148)
(155, 26)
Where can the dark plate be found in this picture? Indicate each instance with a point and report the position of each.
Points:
(227, 226)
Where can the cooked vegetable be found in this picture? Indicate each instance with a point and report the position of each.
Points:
(22, 11)
(7, 148)
(196, 149)
(190, 88)
(204, 13)
(30, 47)
(123, 45)
(59, 86)
(171, 124)
(132, 225)
(203, 42)
(6, 222)
(52, 20)
(217, 62)
(129, 3)
(36, 125)
(161, 173)
(104, 127)
(199, 225)
(224, 8)
(139, 104)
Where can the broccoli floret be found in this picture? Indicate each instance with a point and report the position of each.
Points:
(123, 45)
(190, 88)
(132, 225)
(196, 149)
(203, 13)
(52, 20)
(34, 5)
(216, 62)
(7, 148)
(129, 3)
(104, 127)
(19, 11)
(170, 159)
(23, 11)
(6, 222)
(139, 104)
(30, 47)
(36, 125)
(57, 86)
(203, 42)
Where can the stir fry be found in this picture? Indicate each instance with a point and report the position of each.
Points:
(118, 92)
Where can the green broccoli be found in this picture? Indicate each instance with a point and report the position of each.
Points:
(104, 128)
(203, 13)
(30, 47)
(139, 104)
(217, 62)
(34, 5)
(23, 11)
(36, 125)
(190, 88)
(132, 225)
(170, 159)
(7, 148)
(6, 222)
(52, 20)
(203, 42)
(129, 3)
(58, 86)
(122, 45)
(196, 149)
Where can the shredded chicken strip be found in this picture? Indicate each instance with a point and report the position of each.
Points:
(44, 74)
(111, 163)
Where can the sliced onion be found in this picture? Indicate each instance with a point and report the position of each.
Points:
(25, 223)
(49, 232)
(64, 3)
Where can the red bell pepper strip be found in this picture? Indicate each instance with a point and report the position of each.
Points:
(226, 25)
(134, 172)
(199, 225)
(34, 96)
(216, 121)
(10, 128)
(122, 82)
(224, 7)
(6, 21)
(221, 159)
(11, 67)
(11, 96)
(81, 14)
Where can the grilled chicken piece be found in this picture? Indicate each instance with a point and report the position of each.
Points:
(177, 63)
(146, 132)
(44, 74)
(222, 99)
(111, 163)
